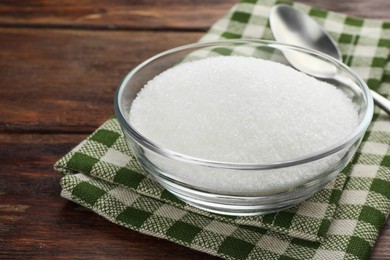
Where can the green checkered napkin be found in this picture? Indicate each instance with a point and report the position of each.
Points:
(341, 221)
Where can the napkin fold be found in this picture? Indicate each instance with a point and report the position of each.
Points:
(341, 221)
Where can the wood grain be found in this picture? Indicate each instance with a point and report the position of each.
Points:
(65, 80)
(35, 222)
(117, 14)
(158, 15)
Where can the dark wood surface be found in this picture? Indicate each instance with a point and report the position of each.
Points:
(60, 63)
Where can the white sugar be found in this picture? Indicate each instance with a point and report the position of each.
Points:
(243, 110)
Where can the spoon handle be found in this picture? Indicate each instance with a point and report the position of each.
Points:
(381, 101)
(378, 99)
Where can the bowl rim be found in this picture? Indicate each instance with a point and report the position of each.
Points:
(343, 143)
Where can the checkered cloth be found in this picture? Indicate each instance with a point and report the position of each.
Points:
(341, 221)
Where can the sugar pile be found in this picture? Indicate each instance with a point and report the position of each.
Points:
(241, 109)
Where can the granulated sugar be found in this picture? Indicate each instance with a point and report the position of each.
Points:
(242, 110)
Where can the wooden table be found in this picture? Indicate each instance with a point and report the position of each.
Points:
(60, 63)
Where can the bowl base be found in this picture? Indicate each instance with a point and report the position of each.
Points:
(233, 205)
(230, 210)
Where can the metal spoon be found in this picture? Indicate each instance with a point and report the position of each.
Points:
(294, 27)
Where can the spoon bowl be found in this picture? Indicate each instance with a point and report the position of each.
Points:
(295, 27)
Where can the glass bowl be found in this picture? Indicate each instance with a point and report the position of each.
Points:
(241, 188)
